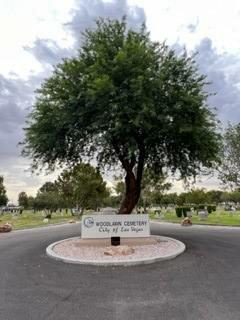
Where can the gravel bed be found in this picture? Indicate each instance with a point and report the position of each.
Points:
(71, 249)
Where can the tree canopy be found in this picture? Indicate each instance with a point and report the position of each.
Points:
(82, 186)
(126, 100)
(23, 199)
(3, 193)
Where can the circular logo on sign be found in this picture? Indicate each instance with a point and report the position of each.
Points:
(88, 222)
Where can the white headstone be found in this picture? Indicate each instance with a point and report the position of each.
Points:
(203, 214)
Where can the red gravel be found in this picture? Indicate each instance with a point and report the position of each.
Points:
(73, 249)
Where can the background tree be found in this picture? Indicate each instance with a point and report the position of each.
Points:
(83, 186)
(31, 203)
(23, 200)
(48, 187)
(181, 199)
(124, 100)
(49, 201)
(229, 172)
(120, 189)
(153, 186)
(214, 196)
(3, 193)
(235, 197)
(197, 196)
(168, 199)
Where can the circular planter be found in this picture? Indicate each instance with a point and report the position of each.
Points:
(72, 251)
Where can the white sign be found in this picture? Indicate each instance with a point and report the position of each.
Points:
(107, 226)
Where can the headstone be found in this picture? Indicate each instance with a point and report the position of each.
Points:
(189, 214)
(109, 210)
(161, 216)
(203, 214)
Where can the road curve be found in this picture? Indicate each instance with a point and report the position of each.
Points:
(202, 283)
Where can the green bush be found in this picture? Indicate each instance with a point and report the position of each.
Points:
(179, 212)
(211, 208)
(182, 211)
(185, 209)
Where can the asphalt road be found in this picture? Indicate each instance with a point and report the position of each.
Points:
(202, 283)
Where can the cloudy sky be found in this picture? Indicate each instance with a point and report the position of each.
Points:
(35, 35)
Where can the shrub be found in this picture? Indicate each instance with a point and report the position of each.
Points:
(211, 208)
(179, 211)
(185, 209)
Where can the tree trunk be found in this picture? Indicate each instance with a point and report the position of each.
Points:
(132, 194)
(132, 181)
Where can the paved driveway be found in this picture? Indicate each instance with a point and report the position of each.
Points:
(202, 283)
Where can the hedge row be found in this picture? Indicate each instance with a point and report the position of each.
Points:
(182, 211)
(209, 207)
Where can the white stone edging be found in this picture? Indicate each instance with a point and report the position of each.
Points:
(50, 253)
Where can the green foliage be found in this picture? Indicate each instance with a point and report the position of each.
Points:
(185, 209)
(3, 193)
(215, 218)
(23, 200)
(153, 187)
(182, 211)
(197, 196)
(214, 196)
(211, 208)
(49, 200)
(167, 199)
(127, 100)
(31, 201)
(120, 190)
(178, 212)
(234, 196)
(82, 186)
(48, 187)
(229, 172)
(181, 199)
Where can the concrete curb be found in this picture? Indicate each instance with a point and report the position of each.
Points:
(50, 253)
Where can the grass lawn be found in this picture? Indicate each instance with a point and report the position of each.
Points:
(29, 219)
(219, 217)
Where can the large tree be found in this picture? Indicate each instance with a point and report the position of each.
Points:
(229, 171)
(3, 193)
(126, 100)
